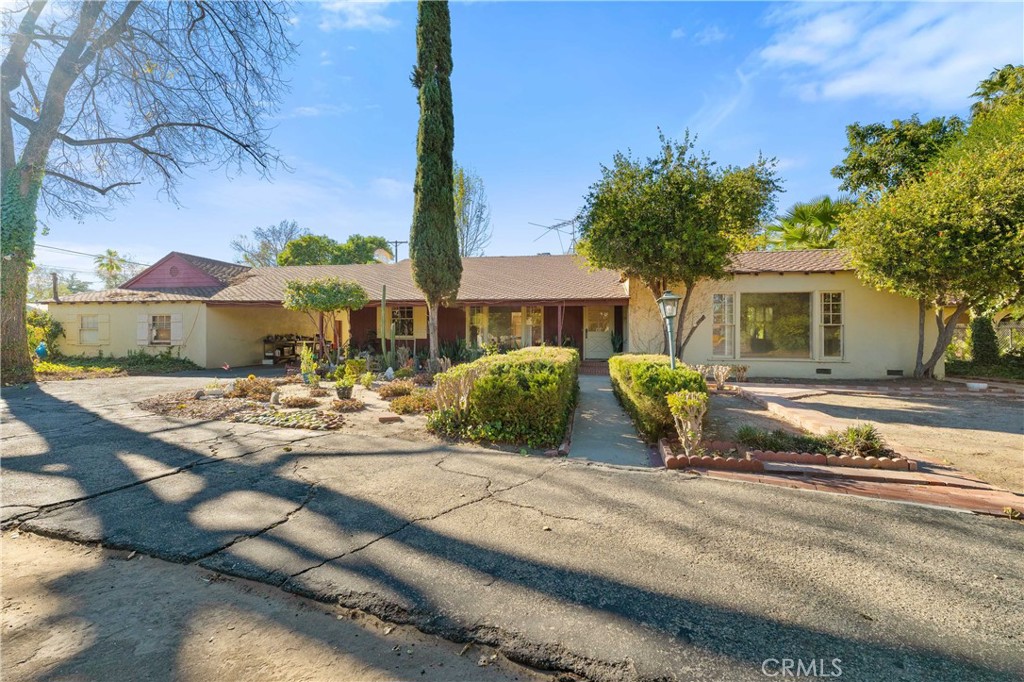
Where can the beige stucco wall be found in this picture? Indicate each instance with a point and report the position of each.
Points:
(880, 329)
(235, 333)
(118, 328)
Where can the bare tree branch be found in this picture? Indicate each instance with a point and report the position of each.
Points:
(86, 185)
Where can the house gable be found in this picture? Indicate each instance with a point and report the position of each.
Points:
(178, 271)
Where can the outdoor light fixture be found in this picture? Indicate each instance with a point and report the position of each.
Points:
(669, 305)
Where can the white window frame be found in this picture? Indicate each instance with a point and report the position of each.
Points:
(727, 321)
(396, 318)
(827, 317)
(155, 325)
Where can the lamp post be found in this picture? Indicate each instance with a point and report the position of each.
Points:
(669, 305)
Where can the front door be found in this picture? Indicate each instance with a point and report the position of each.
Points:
(598, 325)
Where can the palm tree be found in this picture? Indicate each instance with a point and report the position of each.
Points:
(109, 268)
(809, 225)
(1003, 86)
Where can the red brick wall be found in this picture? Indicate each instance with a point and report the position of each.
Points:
(186, 275)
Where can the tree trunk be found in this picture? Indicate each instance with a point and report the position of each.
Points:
(432, 311)
(684, 309)
(657, 288)
(945, 336)
(17, 243)
(919, 360)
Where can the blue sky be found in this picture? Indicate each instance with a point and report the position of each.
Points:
(545, 92)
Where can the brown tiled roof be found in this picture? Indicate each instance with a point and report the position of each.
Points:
(808, 260)
(218, 269)
(484, 279)
(139, 295)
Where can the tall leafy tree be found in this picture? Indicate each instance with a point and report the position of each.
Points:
(324, 298)
(954, 237)
(262, 248)
(318, 249)
(433, 239)
(880, 157)
(674, 219)
(809, 225)
(40, 284)
(472, 213)
(1003, 86)
(98, 96)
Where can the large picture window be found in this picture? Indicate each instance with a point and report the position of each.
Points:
(723, 326)
(510, 327)
(832, 324)
(775, 325)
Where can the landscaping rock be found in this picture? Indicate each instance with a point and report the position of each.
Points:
(389, 418)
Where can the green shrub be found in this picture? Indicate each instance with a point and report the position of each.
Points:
(688, 409)
(642, 382)
(522, 397)
(984, 344)
(420, 400)
(396, 388)
(355, 368)
(41, 327)
(367, 379)
(404, 373)
(861, 440)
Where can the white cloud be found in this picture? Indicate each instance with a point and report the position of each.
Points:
(317, 110)
(678, 33)
(355, 15)
(715, 111)
(710, 34)
(325, 58)
(390, 188)
(932, 54)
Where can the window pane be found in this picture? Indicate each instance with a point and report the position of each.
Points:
(402, 318)
(721, 340)
(161, 329)
(775, 325)
(832, 341)
(499, 326)
(533, 332)
(721, 309)
(477, 326)
(90, 322)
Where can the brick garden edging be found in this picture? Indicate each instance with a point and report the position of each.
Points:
(753, 460)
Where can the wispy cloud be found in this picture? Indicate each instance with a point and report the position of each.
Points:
(715, 111)
(710, 34)
(931, 54)
(678, 33)
(325, 58)
(355, 15)
(391, 188)
(316, 111)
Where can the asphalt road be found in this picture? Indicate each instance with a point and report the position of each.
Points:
(608, 573)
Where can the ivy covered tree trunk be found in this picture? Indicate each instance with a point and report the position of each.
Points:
(434, 239)
(17, 236)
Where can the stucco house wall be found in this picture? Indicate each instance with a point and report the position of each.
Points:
(879, 329)
(118, 328)
(234, 334)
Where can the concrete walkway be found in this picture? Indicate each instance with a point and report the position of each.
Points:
(602, 432)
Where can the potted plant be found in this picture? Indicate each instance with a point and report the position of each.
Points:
(343, 387)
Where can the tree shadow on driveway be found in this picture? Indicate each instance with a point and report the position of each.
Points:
(381, 539)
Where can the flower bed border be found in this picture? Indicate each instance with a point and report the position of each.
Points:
(754, 460)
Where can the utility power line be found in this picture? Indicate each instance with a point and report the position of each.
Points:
(90, 255)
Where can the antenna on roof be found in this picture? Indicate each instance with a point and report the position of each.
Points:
(567, 228)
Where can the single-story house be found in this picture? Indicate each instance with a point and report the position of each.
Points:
(795, 314)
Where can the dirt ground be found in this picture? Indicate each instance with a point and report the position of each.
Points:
(82, 613)
(364, 422)
(726, 413)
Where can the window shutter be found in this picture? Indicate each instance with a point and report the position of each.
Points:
(103, 326)
(177, 329)
(73, 323)
(142, 330)
(419, 322)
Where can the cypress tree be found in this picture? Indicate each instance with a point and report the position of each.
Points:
(433, 239)
(984, 344)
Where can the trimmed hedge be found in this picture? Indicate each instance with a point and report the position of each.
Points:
(642, 382)
(522, 397)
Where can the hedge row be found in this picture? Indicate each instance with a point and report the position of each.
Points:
(641, 383)
(522, 397)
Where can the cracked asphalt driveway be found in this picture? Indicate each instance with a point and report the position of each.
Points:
(608, 573)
